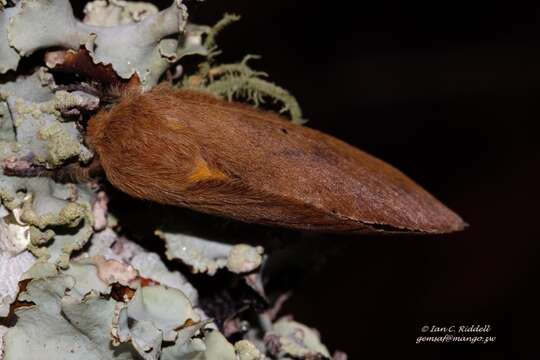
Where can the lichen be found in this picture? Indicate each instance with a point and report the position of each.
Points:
(247, 351)
(244, 258)
(238, 80)
(131, 48)
(7, 131)
(60, 145)
(11, 270)
(293, 339)
(14, 232)
(90, 292)
(9, 57)
(71, 306)
(117, 12)
(41, 133)
(57, 226)
(86, 275)
(75, 330)
(150, 266)
(204, 256)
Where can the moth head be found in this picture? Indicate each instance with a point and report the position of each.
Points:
(113, 98)
(96, 129)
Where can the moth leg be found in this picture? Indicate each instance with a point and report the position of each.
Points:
(77, 173)
(72, 173)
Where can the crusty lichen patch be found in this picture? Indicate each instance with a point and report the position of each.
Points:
(49, 216)
(35, 123)
(60, 145)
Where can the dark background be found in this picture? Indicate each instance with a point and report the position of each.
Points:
(447, 92)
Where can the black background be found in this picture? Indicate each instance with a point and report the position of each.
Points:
(447, 92)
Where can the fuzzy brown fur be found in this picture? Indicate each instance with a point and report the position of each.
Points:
(190, 149)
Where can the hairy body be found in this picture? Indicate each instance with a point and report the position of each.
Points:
(189, 149)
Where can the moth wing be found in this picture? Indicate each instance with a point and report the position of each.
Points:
(264, 169)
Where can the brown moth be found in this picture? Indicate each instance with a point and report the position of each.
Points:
(189, 149)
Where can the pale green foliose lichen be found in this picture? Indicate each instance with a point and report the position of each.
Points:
(119, 12)
(81, 322)
(74, 330)
(9, 57)
(131, 38)
(204, 256)
(57, 225)
(150, 266)
(13, 231)
(11, 270)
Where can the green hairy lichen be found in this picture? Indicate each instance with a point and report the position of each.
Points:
(210, 41)
(238, 80)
